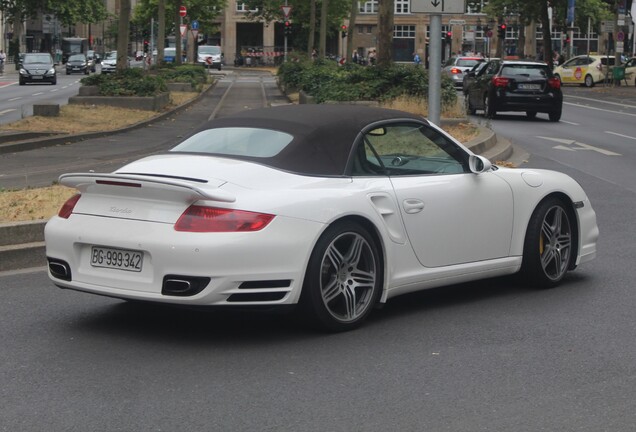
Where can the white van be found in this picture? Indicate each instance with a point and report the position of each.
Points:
(210, 56)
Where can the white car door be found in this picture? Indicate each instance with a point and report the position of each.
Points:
(451, 215)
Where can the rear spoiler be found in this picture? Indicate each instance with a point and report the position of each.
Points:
(83, 181)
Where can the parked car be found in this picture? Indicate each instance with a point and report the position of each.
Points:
(169, 55)
(515, 85)
(109, 64)
(77, 63)
(585, 69)
(37, 68)
(456, 67)
(209, 56)
(329, 208)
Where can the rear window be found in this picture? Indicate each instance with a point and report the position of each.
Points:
(209, 49)
(237, 141)
(531, 71)
(468, 62)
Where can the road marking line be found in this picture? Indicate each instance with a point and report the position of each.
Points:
(7, 111)
(575, 145)
(621, 135)
(37, 94)
(600, 109)
(599, 100)
(570, 123)
(14, 99)
(54, 90)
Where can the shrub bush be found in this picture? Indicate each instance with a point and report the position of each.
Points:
(129, 82)
(326, 80)
(193, 74)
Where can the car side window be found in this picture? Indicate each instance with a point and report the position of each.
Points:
(408, 149)
(492, 68)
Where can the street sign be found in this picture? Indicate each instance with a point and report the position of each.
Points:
(286, 10)
(195, 34)
(182, 29)
(438, 6)
(607, 26)
(620, 36)
(457, 22)
(194, 25)
(183, 11)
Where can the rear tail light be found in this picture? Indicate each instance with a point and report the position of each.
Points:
(500, 81)
(554, 83)
(67, 209)
(211, 219)
(455, 71)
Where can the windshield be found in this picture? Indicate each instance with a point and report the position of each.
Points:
(44, 58)
(111, 55)
(77, 57)
(209, 50)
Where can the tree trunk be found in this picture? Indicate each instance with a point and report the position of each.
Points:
(122, 35)
(352, 26)
(161, 31)
(323, 28)
(18, 39)
(312, 27)
(385, 32)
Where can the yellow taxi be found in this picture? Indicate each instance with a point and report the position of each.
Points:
(584, 69)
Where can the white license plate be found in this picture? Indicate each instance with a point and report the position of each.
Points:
(530, 86)
(119, 259)
(37, 77)
(76, 68)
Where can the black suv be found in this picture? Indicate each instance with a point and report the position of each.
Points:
(37, 67)
(513, 85)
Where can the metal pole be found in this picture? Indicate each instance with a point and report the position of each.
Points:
(435, 69)
(285, 42)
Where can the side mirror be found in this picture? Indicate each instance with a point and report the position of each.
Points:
(479, 164)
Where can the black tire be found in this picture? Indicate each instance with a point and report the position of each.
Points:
(22, 81)
(344, 278)
(68, 72)
(489, 109)
(531, 114)
(555, 115)
(589, 81)
(549, 244)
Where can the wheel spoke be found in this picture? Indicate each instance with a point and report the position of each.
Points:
(352, 258)
(334, 255)
(363, 279)
(332, 290)
(349, 296)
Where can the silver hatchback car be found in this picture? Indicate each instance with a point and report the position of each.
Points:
(456, 67)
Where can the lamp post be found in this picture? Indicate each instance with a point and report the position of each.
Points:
(477, 29)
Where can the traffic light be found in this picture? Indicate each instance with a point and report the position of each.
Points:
(501, 31)
(567, 40)
(449, 36)
(344, 31)
(288, 28)
(146, 46)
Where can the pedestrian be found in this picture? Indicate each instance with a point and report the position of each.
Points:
(314, 54)
(416, 59)
(372, 58)
(354, 58)
(3, 58)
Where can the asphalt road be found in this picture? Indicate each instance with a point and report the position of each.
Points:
(486, 356)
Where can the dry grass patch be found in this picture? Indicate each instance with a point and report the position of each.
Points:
(75, 119)
(32, 204)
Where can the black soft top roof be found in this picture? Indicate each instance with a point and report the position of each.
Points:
(324, 134)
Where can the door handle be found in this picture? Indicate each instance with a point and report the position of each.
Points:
(412, 205)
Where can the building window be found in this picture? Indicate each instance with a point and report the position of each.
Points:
(445, 28)
(475, 6)
(402, 6)
(242, 7)
(368, 7)
(404, 31)
(371, 7)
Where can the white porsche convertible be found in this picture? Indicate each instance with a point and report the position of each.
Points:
(330, 208)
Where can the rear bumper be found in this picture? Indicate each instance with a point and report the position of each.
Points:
(546, 103)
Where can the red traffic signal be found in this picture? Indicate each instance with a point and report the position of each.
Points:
(502, 27)
(344, 27)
